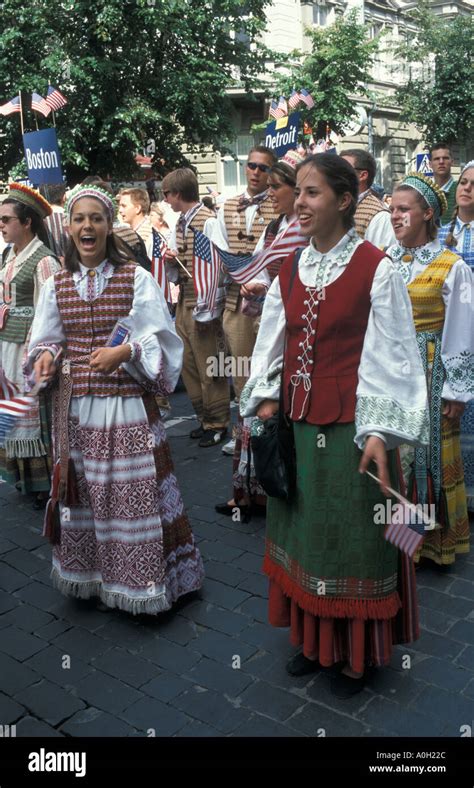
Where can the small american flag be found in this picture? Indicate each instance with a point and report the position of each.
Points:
(38, 104)
(7, 388)
(206, 265)
(11, 106)
(294, 99)
(55, 98)
(158, 268)
(402, 535)
(272, 113)
(282, 106)
(10, 411)
(306, 98)
(243, 268)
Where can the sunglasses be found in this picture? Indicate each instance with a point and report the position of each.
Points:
(252, 165)
(6, 219)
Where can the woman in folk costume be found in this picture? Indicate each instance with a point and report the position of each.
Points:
(459, 237)
(249, 496)
(337, 318)
(439, 284)
(26, 265)
(123, 534)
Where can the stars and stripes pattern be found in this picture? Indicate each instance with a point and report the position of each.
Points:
(282, 106)
(273, 111)
(12, 407)
(158, 268)
(38, 104)
(11, 106)
(243, 268)
(206, 267)
(306, 98)
(55, 98)
(294, 99)
(406, 537)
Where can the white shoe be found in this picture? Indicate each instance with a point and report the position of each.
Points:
(229, 447)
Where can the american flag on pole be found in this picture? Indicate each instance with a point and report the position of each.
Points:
(272, 113)
(282, 106)
(406, 537)
(243, 268)
(158, 268)
(306, 98)
(11, 106)
(12, 407)
(38, 104)
(294, 99)
(207, 267)
(55, 98)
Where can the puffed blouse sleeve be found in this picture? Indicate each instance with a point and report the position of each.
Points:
(457, 343)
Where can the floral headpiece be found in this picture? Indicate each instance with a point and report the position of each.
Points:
(97, 193)
(429, 190)
(30, 197)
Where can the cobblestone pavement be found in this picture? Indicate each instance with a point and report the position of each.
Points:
(175, 675)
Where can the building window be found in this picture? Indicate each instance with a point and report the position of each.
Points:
(320, 15)
(375, 29)
(233, 172)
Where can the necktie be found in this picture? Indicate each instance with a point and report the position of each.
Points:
(244, 202)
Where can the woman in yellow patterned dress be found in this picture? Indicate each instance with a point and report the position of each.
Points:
(440, 287)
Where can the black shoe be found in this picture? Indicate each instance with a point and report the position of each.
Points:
(212, 438)
(197, 433)
(299, 665)
(228, 510)
(39, 503)
(344, 687)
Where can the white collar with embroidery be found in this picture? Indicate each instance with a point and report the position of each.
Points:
(105, 269)
(460, 225)
(421, 254)
(340, 254)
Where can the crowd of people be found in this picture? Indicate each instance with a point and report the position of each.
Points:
(360, 331)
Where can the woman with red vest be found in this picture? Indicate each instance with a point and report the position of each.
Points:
(337, 319)
(115, 516)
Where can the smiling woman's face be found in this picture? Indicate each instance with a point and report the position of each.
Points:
(89, 227)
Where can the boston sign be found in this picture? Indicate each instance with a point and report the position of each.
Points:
(42, 157)
(282, 134)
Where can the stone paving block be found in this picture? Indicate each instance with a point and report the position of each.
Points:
(435, 621)
(269, 638)
(44, 576)
(256, 608)
(444, 603)
(463, 631)
(82, 613)
(10, 710)
(52, 630)
(49, 702)
(211, 708)
(462, 588)
(81, 644)
(7, 602)
(319, 690)
(106, 693)
(210, 616)
(400, 721)
(28, 618)
(227, 524)
(271, 668)
(94, 722)
(219, 552)
(11, 579)
(30, 726)
(435, 579)
(26, 538)
(442, 673)
(198, 729)
(225, 573)
(126, 667)
(15, 675)
(249, 562)
(126, 632)
(49, 663)
(212, 675)
(452, 708)
(39, 595)
(251, 544)
(177, 628)
(43, 552)
(258, 726)
(469, 691)
(316, 721)
(149, 713)
(466, 658)
(257, 585)
(436, 646)
(222, 648)
(170, 656)
(206, 531)
(222, 595)
(19, 644)
(270, 701)
(165, 687)
(24, 561)
(6, 546)
(205, 514)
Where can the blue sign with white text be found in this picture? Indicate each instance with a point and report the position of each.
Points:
(423, 164)
(42, 157)
(282, 134)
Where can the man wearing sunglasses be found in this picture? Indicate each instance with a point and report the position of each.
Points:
(242, 221)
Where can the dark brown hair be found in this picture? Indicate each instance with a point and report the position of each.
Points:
(23, 213)
(363, 161)
(183, 182)
(115, 251)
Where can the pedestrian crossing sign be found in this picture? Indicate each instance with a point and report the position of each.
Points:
(423, 164)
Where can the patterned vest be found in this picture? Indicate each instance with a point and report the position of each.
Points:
(368, 207)
(88, 325)
(185, 254)
(325, 334)
(239, 241)
(19, 295)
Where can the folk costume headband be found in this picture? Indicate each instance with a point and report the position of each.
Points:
(467, 166)
(96, 193)
(429, 190)
(30, 197)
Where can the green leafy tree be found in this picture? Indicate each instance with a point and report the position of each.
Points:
(138, 74)
(336, 70)
(438, 95)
